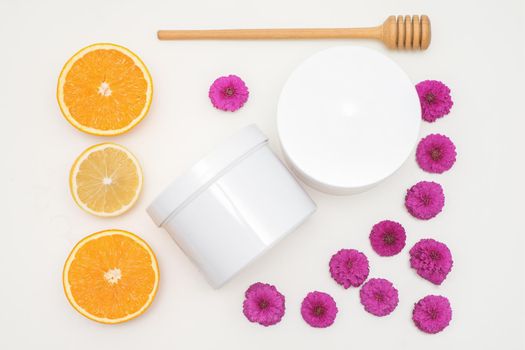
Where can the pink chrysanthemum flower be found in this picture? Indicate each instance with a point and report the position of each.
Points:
(319, 309)
(431, 259)
(228, 93)
(432, 314)
(379, 296)
(349, 267)
(425, 200)
(263, 304)
(435, 99)
(436, 153)
(387, 238)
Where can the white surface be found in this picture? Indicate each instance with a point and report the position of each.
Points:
(246, 201)
(347, 118)
(477, 49)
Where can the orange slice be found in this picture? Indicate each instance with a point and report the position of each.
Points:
(111, 276)
(105, 180)
(104, 89)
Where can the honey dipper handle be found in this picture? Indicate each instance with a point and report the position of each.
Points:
(262, 34)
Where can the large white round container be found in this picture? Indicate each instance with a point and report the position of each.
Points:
(348, 117)
(232, 206)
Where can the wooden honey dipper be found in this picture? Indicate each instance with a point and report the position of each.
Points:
(403, 32)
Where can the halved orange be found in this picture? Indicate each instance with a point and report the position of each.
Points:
(111, 276)
(105, 180)
(104, 89)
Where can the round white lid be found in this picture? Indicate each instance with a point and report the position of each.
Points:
(348, 117)
(205, 172)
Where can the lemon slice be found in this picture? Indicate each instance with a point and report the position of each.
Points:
(106, 180)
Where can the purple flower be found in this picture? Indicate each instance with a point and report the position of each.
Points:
(319, 309)
(431, 259)
(379, 296)
(432, 314)
(436, 153)
(228, 93)
(349, 267)
(387, 238)
(435, 99)
(425, 200)
(263, 304)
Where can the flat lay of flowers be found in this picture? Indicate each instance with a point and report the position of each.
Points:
(263, 304)
(435, 99)
(350, 268)
(109, 168)
(228, 93)
(432, 314)
(436, 153)
(262, 175)
(387, 238)
(431, 259)
(425, 200)
(319, 309)
(379, 296)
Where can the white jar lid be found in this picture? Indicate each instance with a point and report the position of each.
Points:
(348, 117)
(202, 174)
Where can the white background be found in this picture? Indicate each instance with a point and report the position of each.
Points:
(477, 49)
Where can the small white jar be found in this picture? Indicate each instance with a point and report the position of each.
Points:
(232, 206)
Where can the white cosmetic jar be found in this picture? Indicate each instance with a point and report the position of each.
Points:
(348, 117)
(232, 206)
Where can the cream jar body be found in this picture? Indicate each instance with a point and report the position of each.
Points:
(235, 204)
